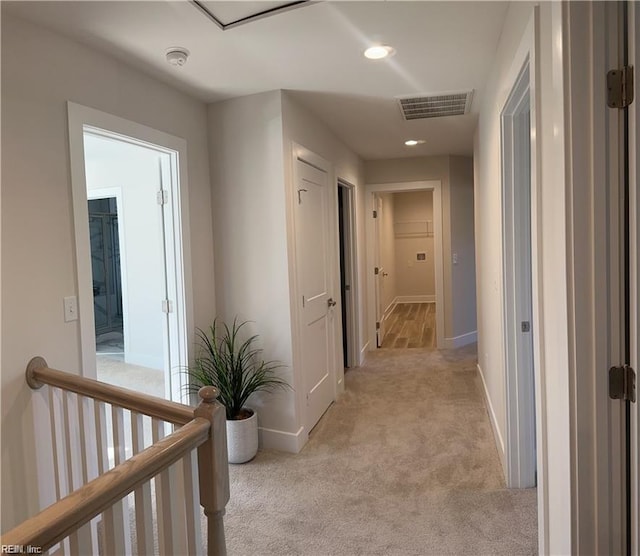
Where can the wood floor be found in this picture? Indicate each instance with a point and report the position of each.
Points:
(411, 325)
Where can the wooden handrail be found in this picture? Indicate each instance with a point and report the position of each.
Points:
(65, 516)
(202, 427)
(39, 373)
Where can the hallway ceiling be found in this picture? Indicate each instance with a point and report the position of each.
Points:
(314, 50)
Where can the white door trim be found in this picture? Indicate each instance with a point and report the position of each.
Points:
(81, 118)
(517, 280)
(527, 52)
(595, 277)
(351, 259)
(399, 187)
(634, 202)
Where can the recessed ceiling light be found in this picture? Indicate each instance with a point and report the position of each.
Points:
(378, 52)
(414, 142)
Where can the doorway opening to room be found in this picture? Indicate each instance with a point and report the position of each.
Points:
(405, 256)
(126, 185)
(406, 270)
(106, 273)
(348, 272)
(518, 285)
(129, 241)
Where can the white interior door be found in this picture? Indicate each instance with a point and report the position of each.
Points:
(312, 248)
(520, 446)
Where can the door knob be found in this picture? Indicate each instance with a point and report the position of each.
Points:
(385, 274)
(331, 302)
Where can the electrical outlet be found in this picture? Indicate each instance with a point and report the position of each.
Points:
(455, 258)
(70, 308)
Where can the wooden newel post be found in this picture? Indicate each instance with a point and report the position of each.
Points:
(213, 469)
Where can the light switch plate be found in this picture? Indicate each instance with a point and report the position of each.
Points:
(70, 308)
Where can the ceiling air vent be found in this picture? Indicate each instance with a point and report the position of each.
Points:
(435, 106)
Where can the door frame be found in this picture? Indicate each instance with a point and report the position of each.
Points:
(595, 278)
(527, 53)
(401, 187)
(517, 302)
(379, 275)
(634, 203)
(351, 258)
(80, 119)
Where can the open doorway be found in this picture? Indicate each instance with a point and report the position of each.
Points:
(128, 262)
(517, 275)
(106, 274)
(406, 270)
(129, 218)
(348, 269)
(386, 267)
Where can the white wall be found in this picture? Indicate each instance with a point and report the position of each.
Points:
(463, 260)
(303, 128)
(252, 141)
(554, 470)
(134, 171)
(41, 71)
(250, 233)
(414, 278)
(488, 212)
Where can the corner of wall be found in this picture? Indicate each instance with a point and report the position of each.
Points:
(282, 441)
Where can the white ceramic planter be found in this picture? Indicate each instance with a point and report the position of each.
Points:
(242, 439)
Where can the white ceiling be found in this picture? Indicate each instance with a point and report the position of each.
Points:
(314, 50)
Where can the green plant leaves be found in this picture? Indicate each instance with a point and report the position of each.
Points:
(232, 365)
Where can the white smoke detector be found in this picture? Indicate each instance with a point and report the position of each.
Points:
(177, 56)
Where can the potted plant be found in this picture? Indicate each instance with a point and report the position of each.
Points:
(234, 367)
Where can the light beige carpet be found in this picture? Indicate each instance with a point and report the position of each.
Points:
(403, 463)
(112, 369)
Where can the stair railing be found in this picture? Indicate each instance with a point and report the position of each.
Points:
(93, 517)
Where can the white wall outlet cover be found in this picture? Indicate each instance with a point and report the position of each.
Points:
(70, 308)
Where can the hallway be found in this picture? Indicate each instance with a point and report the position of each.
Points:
(411, 325)
(404, 463)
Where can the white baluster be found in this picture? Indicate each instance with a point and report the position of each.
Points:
(80, 540)
(58, 436)
(171, 525)
(58, 433)
(143, 504)
(89, 456)
(192, 504)
(121, 533)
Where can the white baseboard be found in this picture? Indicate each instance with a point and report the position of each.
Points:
(363, 353)
(389, 310)
(494, 422)
(415, 299)
(459, 341)
(282, 441)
